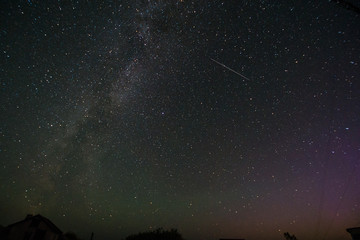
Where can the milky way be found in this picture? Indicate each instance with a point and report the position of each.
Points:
(115, 118)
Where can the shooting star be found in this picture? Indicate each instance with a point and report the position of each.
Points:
(223, 65)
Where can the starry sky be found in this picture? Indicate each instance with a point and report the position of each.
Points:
(221, 118)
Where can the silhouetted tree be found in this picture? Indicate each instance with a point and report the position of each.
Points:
(289, 237)
(158, 234)
(70, 236)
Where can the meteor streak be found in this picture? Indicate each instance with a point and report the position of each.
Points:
(223, 65)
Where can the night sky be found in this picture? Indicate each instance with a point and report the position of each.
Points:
(223, 119)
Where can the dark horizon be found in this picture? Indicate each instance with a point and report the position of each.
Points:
(136, 235)
(222, 119)
(101, 234)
